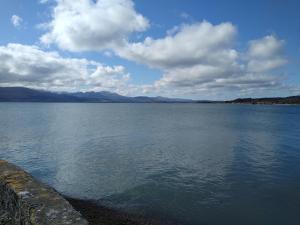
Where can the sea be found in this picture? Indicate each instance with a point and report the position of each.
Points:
(192, 164)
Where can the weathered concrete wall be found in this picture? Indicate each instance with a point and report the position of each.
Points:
(25, 201)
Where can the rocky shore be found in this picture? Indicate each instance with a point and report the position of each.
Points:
(25, 200)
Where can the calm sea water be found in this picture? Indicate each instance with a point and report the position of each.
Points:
(194, 164)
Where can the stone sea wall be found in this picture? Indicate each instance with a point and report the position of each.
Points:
(26, 201)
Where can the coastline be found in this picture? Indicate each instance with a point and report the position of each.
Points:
(26, 200)
(97, 214)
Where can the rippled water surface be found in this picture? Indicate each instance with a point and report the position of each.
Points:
(194, 164)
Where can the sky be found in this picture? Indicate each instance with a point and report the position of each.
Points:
(199, 49)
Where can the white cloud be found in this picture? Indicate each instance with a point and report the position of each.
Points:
(194, 58)
(32, 67)
(16, 20)
(201, 57)
(185, 15)
(43, 1)
(200, 43)
(265, 54)
(84, 25)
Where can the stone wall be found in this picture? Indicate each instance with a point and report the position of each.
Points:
(25, 201)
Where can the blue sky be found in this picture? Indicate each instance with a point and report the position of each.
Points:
(178, 48)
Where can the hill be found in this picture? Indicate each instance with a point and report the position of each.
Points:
(21, 94)
(278, 100)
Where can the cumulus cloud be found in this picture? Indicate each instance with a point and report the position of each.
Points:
(200, 43)
(32, 67)
(193, 58)
(84, 25)
(201, 57)
(265, 54)
(16, 20)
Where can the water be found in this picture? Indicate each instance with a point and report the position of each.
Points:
(194, 164)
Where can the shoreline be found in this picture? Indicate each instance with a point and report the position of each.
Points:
(97, 214)
(26, 200)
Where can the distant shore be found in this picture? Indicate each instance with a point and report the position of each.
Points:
(22, 94)
(291, 100)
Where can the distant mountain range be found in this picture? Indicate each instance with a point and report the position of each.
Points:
(21, 94)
